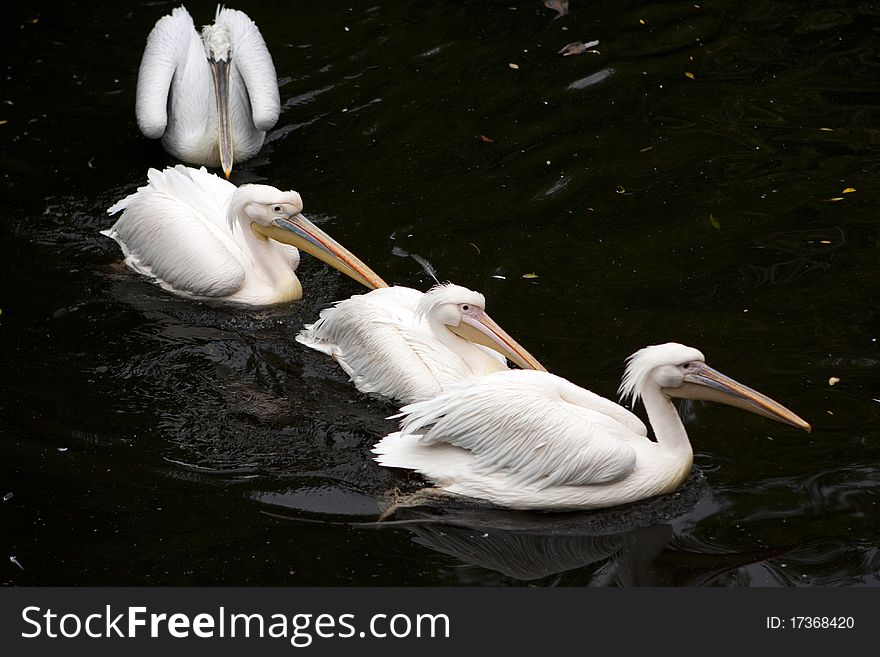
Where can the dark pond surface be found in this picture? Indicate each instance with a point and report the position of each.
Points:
(685, 183)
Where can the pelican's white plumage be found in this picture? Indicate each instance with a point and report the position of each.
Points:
(210, 97)
(408, 345)
(532, 440)
(201, 237)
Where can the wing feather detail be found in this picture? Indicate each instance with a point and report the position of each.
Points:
(251, 56)
(415, 365)
(174, 230)
(167, 47)
(527, 427)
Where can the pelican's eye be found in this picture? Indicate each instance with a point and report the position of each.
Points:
(277, 208)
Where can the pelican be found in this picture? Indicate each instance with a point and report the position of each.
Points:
(532, 440)
(201, 237)
(408, 345)
(210, 98)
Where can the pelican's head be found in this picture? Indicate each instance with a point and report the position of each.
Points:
(277, 215)
(463, 312)
(680, 371)
(219, 52)
(216, 41)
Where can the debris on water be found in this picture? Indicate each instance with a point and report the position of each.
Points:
(514, 66)
(833, 381)
(620, 190)
(642, 21)
(834, 199)
(499, 276)
(3, 121)
(827, 129)
(530, 275)
(848, 190)
(690, 75)
(62, 449)
(485, 139)
(590, 80)
(15, 561)
(715, 223)
(560, 6)
(578, 48)
(7, 497)
(427, 266)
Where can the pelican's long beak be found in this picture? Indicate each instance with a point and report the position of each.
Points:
(482, 329)
(711, 385)
(303, 234)
(220, 72)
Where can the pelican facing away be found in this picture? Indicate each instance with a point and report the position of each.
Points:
(210, 97)
(201, 237)
(408, 345)
(532, 440)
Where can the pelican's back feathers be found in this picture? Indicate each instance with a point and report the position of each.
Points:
(531, 429)
(175, 222)
(383, 322)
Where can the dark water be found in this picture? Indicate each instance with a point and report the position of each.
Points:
(147, 439)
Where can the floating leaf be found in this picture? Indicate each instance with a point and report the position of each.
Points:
(514, 66)
(689, 75)
(530, 275)
(620, 190)
(835, 199)
(848, 190)
(485, 139)
(715, 223)
(642, 21)
(827, 129)
(3, 121)
(833, 380)
(824, 241)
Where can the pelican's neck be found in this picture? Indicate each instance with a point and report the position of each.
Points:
(666, 423)
(477, 360)
(264, 256)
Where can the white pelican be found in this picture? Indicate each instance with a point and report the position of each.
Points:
(211, 98)
(532, 440)
(408, 345)
(201, 237)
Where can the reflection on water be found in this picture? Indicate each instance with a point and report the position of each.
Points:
(684, 183)
(631, 546)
